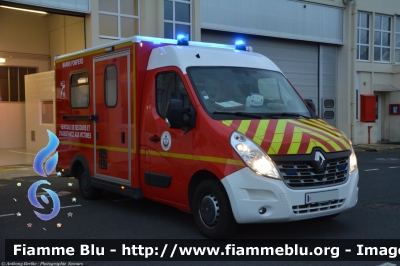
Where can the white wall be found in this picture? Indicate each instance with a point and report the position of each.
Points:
(38, 87)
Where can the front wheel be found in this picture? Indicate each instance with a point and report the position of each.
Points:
(87, 190)
(212, 210)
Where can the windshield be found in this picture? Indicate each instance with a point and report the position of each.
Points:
(246, 92)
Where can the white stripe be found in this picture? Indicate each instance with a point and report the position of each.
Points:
(394, 166)
(70, 206)
(7, 214)
(22, 152)
(371, 170)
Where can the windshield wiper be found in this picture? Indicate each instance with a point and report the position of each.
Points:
(290, 114)
(260, 116)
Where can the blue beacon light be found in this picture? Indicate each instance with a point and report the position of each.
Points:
(240, 45)
(182, 39)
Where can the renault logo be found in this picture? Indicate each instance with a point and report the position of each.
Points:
(320, 160)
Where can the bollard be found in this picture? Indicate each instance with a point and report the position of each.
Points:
(369, 134)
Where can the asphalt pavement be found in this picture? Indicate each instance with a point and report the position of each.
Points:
(375, 216)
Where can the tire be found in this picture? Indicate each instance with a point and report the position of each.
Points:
(328, 217)
(87, 191)
(212, 210)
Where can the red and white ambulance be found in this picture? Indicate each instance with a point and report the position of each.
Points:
(210, 129)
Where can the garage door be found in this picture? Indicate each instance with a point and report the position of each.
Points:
(297, 59)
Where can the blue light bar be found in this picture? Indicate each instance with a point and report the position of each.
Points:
(183, 39)
(240, 45)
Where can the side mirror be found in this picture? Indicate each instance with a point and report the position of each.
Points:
(311, 104)
(179, 117)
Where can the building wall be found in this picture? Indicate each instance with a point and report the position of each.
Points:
(24, 39)
(369, 77)
(12, 124)
(66, 35)
(151, 14)
(39, 87)
(297, 20)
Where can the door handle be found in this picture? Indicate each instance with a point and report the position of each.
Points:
(154, 138)
(122, 137)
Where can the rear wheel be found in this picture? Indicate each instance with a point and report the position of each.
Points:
(87, 190)
(212, 210)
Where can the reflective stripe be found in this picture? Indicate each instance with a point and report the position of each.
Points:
(296, 134)
(227, 122)
(194, 157)
(78, 144)
(278, 137)
(260, 132)
(244, 126)
(314, 143)
(296, 140)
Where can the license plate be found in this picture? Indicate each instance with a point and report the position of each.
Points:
(322, 196)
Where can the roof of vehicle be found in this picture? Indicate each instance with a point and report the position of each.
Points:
(187, 56)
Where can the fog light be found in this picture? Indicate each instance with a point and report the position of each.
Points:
(262, 210)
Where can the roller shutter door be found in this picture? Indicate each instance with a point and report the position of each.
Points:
(298, 60)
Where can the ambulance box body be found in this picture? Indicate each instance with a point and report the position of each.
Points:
(210, 129)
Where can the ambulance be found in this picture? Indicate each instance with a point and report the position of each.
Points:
(214, 130)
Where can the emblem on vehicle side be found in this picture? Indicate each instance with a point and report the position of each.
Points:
(320, 160)
(166, 140)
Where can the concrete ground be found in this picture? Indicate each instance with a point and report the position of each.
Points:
(16, 163)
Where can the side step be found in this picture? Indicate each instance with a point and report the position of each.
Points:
(132, 192)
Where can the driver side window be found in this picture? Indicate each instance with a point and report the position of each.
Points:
(169, 85)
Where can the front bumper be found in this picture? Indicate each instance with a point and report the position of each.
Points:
(249, 192)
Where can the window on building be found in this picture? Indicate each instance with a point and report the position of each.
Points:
(363, 36)
(382, 33)
(79, 84)
(47, 112)
(110, 86)
(118, 18)
(397, 45)
(177, 18)
(12, 83)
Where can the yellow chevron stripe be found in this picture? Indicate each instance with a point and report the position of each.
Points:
(278, 137)
(332, 135)
(332, 142)
(314, 143)
(314, 131)
(227, 122)
(327, 127)
(194, 157)
(260, 132)
(294, 148)
(296, 141)
(244, 126)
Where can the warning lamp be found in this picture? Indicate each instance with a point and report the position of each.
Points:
(240, 45)
(183, 39)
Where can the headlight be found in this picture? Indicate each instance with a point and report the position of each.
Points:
(353, 161)
(254, 156)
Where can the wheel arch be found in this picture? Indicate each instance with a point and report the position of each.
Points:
(78, 161)
(196, 179)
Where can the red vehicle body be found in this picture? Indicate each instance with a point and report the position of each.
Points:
(113, 106)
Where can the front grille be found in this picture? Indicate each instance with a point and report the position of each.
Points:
(318, 206)
(301, 174)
